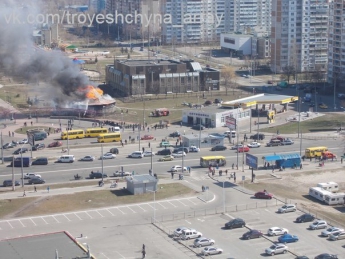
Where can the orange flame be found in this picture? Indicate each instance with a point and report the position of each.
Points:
(92, 92)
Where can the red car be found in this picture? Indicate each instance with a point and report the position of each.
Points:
(278, 137)
(243, 149)
(263, 195)
(147, 137)
(55, 144)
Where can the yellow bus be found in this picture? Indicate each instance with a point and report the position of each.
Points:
(315, 151)
(109, 137)
(95, 132)
(207, 161)
(73, 134)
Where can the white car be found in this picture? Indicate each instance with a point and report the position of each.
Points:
(179, 154)
(318, 224)
(176, 168)
(107, 156)
(24, 141)
(87, 158)
(203, 241)
(287, 208)
(210, 250)
(149, 153)
(194, 149)
(331, 230)
(236, 146)
(179, 231)
(254, 145)
(31, 176)
(275, 231)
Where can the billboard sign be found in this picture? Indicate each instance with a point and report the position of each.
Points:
(252, 161)
(230, 122)
(31, 139)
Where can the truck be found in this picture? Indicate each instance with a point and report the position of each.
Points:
(18, 162)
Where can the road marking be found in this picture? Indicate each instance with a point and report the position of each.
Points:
(150, 206)
(188, 222)
(88, 214)
(9, 224)
(110, 212)
(131, 209)
(99, 213)
(105, 256)
(33, 222)
(120, 254)
(172, 204)
(121, 211)
(21, 223)
(44, 220)
(161, 205)
(141, 208)
(202, 220)
(78, 216)
(192, 201)
(55, 219)
(182, 203)
(66, 217)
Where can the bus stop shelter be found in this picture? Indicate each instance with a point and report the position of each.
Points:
(139, 184)
(283, 160)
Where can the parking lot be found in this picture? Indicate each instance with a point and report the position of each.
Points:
(310, 242)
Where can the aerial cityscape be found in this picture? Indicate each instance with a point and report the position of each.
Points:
(172, 129)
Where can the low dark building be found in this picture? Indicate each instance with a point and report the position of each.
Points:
(160, 76)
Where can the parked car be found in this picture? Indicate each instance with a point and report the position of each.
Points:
(55, 144)
(175, 134)
(194, 149)
(38, 147)
(178, 168)
(31, 176)
(337, 236)
(263, 195)
(277, 249)
(243, 149)
(198, 127)
(254, 145)
(20, 151)
(190, 234)
(87, 158)
(305, 218)
(9, 183)
(326, 256)
(302, 257)
(203, 241)
(253, 233)
(107, 156)
(275, 231)
(331, 230)
(318, 224)
(23, 141)
(179, 154)
(287, 142)
(287, 208)
(149, 153)
(179, 230)
(36, 181)
(147, 137)
(8, 145)
(166, 158)
(218, 148)
(287, 238)
(210, 250)
(257, 136)
(97, 175)
(218, 100)
(235, 223)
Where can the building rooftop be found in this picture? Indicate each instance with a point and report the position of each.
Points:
(138, 62)
(141, 178)
(51, 245)
(261, 99)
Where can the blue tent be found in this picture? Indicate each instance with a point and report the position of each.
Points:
(284, 160)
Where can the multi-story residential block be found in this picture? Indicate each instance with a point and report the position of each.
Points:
(299, 35)
(336, 53)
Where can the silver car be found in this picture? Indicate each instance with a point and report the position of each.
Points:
(331, 230)
(274, 231)
(277, 249)
(179, 231)
(287, 208)
(210, 250)
(337, 236)
(203, 241)
(318, 224)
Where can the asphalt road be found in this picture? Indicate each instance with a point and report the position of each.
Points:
(62, 172)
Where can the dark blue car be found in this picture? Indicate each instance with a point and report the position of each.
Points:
(287, 238)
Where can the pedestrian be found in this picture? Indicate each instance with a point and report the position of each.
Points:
(253, 178)
(188, 169)
(149, 144)
(144, 247)
(234, 174)
(48, 188)
(144, 253)
(121, 143)
(226, 172)
(12, 134)
(24, 194)
(143, 149)
(233, 165)
(341, 160)
(9, 133)
(300, 166)
(35, 189)
(294, 166)
(172, 175)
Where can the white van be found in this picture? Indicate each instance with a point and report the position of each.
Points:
(330, 186)
(117, 129)
(66, 159)
(137, 154)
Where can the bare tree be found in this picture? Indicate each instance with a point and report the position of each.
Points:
(289, 71)
(228, 75)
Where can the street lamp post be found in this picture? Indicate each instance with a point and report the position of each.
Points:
(224, 210)
(67, 143)
(102, 160)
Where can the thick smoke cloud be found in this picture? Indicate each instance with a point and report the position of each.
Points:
(19, 58)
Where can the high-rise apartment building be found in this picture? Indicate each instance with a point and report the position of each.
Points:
(247, 15)
(97, 5)
(336, 53)
(299, 35)
(193, 21)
